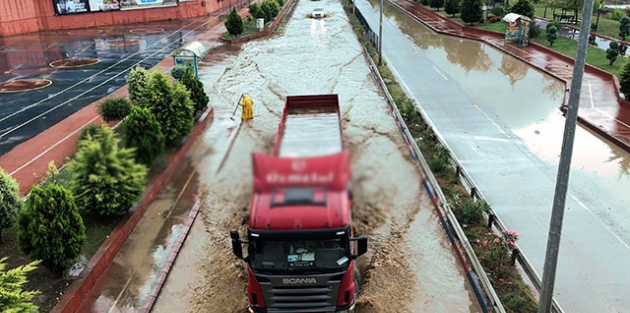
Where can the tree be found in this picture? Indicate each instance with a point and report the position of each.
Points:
(612, 52)
(198, 95)
(436, 4)
(178, 71)
(143, 132)
(13, 298)
(255, 11)
(624, 27)
(552, 35)
(524, 7)
(137, 82)
(234, 23)
(182, 122)
(470, 11)
(624, 80)
(50, 228)
(11, 203)
(451, 7)
(173, 110)
(114, 109)
(271, 9)
(106, 178)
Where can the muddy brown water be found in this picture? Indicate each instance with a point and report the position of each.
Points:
(410, 266)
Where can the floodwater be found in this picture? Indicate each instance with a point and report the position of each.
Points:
(501, 119)
(391, 206)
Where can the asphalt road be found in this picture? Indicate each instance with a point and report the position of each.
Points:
(518, 182)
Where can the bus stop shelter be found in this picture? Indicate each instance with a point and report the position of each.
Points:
(189, 55)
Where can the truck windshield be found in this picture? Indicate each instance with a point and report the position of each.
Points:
(298, 255)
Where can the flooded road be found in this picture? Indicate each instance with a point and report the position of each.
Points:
(391, 206)
(496, 112)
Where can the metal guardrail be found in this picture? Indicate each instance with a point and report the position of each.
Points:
(491, 218)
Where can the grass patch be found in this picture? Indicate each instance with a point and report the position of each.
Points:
(594, 56)
(515, 295)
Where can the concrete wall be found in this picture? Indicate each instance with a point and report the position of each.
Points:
(25, 16)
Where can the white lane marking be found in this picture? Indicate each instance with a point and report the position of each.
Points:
(605, 226)
(435, 68)
(53, 146)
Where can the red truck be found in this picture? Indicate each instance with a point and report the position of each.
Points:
(300, 243)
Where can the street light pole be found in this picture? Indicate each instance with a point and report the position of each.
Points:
(557, 213)
(380, 37)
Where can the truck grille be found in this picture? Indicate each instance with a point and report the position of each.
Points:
(320, 297)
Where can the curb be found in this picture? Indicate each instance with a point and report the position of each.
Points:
(153, 295)
(75, 294)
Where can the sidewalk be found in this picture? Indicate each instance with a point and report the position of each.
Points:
(601, 108)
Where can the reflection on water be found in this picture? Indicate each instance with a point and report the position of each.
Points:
(523, 98)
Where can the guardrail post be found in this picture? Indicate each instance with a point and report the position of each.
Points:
(515, 254)
(473, 192)
(490, 220)
(458, 170)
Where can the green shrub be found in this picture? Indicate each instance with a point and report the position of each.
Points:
(617, 14)
(271, 9)
(198, 95)
(106, 179)
(11, 203)
(523, 7)
(436, 4)
(170, 105)
(552, 35)
(624, 80)
(178, 71)
(471, 211)
(234, 23)
(256, 11)
(14, 298)
(137, 81)
(114, 109)
(534, 30)
(143, 132)
(50, 228)
(470, 11)
(440, 161)
(498, 11)
(90, 130)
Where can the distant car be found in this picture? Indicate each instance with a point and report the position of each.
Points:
(318, 12)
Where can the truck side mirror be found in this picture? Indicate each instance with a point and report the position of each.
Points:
(361, 246)
(237, 249)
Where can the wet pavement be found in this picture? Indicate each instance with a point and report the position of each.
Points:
(497, 111)
(117, 48)
(132, 280)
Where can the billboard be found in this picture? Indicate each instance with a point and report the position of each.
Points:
(63, 7)
(104, 5)
(141, 4)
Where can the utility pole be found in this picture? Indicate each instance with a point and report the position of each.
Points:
(559, 201)
(380, 37)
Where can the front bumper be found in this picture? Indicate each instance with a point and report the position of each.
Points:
(343, 309)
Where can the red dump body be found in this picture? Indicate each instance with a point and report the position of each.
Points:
(308, 152)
